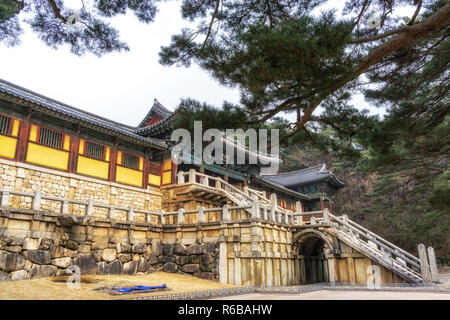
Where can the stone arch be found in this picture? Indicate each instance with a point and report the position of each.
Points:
(312, 248)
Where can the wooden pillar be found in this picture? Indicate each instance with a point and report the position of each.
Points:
(73, 153)
(322, 203)
(112, 164)
(22, 140)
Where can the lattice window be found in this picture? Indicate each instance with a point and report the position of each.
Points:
(94, 150)
(130, 161)
(5, 123)
(50, 138)
(155, 168)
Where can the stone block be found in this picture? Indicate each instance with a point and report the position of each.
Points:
(14, 249)
(114, 267)
(123, 248)
(86, 263)
(109, 254)
(179, 250)
(31, 244)
(4, 276)
(97, 254)
(39, 271)
(18, 275)
(142, 265)
(168, 259)
(84, 248)
(170, 267)
(190, 268)
(167, 249)
(153, 259)
(11, 261)
(182, 260)
(124, 257)
(139, 248)
(194, 249)
(17, 241)
(38, 256)
(45, 244)
(72, 245)
(102, 268)
(62, 262)
(130, 267)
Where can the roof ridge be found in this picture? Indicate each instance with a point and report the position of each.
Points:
(296, 171)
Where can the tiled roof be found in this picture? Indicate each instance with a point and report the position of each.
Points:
(158, 109)
(305, 176)
(52, 106)
(264, 181)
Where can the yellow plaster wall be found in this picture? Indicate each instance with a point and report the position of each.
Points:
(91, 167)
(154, 179)
(7, 146)
(129, 176)
(47, 156)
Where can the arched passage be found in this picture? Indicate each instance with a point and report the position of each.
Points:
(312, 247)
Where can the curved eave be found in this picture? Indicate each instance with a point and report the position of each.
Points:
(118, 131)
(331, 178)
(281, 188)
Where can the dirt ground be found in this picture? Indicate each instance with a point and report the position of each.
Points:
(56, 288)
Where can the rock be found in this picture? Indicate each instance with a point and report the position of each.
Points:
(38, 256)
(114, 267)
(143, 265)
(17, 241)
(102, 268)
(87, 263)
(63, 272)
(62, 262)
(157, 249)
(45, 244)
(97, 254)
(153, 259)
(170, 267)
(210, 248)
(18, 275)
(4, 276)
(194, 259)
(56, 251)
(31, 244)
(72, 245)
(130, 267)
(190, 268)
(99, 245)
(42, 271)
(84, 248)
(139, 248)
(28, 265)
(181, 260)
(179, 250)
(124, 257)
(167, 249)
(194, 249)
(11, 261)
(69, 253)
(109, 254)
(14, 249)
(168, 259)
(123, 248)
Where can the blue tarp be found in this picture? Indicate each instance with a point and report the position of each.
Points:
(137, 288)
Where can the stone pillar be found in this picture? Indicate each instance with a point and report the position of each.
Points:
(180, 216)
(223, 268)
(36, 204)
(201, 215)
(5, 199)
(161, 217)
(424, 267)
(180, 177)
(226, 213)
(326, 217)
(299, 209)
(192, 176)
(255, 210)
(65, 207)
(130, 214)
(433, 265)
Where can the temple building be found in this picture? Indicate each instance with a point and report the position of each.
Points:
(65, 151)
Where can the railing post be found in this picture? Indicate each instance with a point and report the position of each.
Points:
(36, 204)
(201, 214)
(90, 207)
(326, 217)
(226, 213)
(264, 212)
(65, 206)
(161, 217)
(424, 267)
(433, 265)
(286, 218)
(218, 184)
(180, 216)
(148, 215)
(130, 214)
(298, 209)
(111, 213)
(255, 209)
(180, 177)
(246, 190)
(345, 219)
(273, 212)
(192, 176)
(5, 199)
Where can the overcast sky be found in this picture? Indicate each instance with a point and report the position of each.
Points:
(118, 86)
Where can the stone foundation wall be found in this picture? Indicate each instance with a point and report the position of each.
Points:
(43, 244)
(29, 178)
